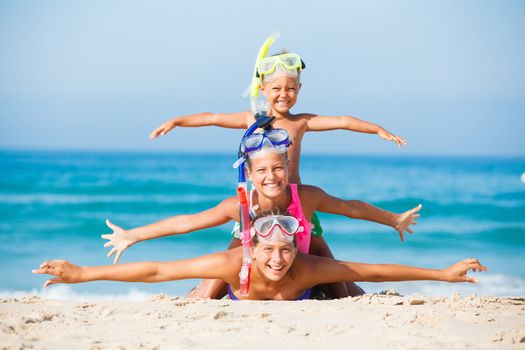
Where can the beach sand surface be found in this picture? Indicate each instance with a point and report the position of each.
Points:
(372, 321)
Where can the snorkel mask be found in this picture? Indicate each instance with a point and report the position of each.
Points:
(275, 228)
(270, 68)
(275, 140)
(273, 67)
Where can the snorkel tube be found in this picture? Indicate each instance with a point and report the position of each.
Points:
(256, 79)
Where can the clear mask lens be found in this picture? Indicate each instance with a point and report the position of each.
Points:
(265, 226)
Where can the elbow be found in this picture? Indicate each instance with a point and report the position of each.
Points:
(347, 122)
(153, 273)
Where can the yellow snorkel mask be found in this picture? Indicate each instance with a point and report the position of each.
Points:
(288, 64)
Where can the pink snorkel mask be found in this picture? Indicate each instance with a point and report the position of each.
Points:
(276, 228)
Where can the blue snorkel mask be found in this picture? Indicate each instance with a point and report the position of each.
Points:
(251, 142)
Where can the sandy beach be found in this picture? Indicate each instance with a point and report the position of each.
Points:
(164, 322)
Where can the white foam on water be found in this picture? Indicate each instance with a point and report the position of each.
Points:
(65, 292)
(494, 285)
(489, 284)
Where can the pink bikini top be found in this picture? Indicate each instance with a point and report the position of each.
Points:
(296, 210)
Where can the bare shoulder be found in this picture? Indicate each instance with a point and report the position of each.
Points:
(309, 190)
(233, 257)
(229, 207)
(311, 197)
(309, 265)
(249, 118)
(230, 203)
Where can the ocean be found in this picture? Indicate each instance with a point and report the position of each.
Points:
(53, 205)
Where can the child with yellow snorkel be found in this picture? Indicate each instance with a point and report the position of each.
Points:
(278, 79)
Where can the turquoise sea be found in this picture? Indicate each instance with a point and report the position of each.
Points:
(53, 205)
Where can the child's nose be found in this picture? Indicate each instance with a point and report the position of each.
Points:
(270, 174)
(277, 256)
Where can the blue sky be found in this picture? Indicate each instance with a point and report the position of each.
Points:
(98, 75)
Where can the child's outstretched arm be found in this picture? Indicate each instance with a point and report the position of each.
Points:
(216, 266)
(239, 120)
(324, 123)
(330, 270)
(361, 210)
(121, 239)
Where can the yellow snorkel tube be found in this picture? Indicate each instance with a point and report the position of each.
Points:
(254, 88)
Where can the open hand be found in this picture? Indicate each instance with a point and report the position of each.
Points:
(119, 239)
(391, 137)
(458, 272)
(162, 130)
(406, 219)
(64, 271)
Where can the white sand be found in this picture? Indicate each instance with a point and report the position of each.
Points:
(367, 322)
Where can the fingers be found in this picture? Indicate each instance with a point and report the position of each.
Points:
(45, 264)
(44, 271)
(112, 225)
(476, 266)
(470, 279)
(401, 141)
(107, 236)
(416, 209)
(52, 281)
(51, 263)
(162, 130)
(155, 133)
(397, 139)
(111, 252)
(409, 231)
(119, 253)
(402, 236)
(107, 244)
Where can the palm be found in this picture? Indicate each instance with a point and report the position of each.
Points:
(405, 220)
(119, 240)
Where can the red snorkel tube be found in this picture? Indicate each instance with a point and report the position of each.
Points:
(246, 240)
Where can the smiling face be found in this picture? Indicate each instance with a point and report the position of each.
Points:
(273, 259)
(268, 171)
(281, 93)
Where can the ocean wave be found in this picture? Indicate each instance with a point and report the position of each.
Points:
(65, 292)
(73, 199)
(493, 285)
(489, 284)
(511, 230)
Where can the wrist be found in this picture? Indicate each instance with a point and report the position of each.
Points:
(84, 274)
(133, 237)
(442, 275)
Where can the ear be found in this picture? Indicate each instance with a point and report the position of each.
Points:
(252, 252)
(290, 166)
(248, 172)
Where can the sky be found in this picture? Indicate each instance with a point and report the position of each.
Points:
(101, 75)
